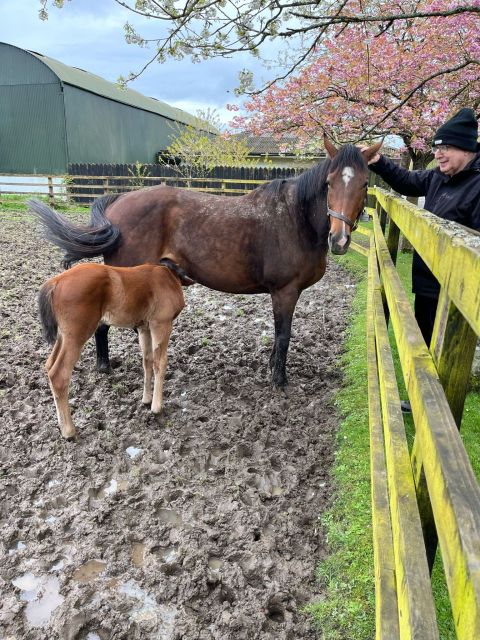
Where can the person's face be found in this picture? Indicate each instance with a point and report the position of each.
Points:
(450, 159)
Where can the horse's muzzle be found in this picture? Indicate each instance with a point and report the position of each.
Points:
(338, 243)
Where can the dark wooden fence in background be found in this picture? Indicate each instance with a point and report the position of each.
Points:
(85, 182)
(92, 180)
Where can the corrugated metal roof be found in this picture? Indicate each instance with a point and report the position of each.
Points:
(95, 84)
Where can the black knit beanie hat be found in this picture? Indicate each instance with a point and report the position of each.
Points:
(460, 131)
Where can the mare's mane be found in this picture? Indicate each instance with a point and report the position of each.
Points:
(311, 185)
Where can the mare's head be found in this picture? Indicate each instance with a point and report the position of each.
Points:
(347, 182)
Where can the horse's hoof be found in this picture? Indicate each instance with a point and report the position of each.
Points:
(103, 367)
(69, 435)
(279, 381)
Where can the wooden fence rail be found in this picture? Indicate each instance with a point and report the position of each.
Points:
(85, 189)
(431, 491)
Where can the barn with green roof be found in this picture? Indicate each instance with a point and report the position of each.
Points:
(53, 115)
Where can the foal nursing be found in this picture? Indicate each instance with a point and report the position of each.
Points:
(72, 305)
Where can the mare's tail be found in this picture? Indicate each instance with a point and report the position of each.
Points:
(98, 238)
(47, 314)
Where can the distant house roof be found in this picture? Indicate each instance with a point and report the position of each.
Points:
(95, 84)
(273, 146)
(286, 144)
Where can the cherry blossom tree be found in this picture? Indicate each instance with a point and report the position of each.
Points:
(357, 68)
(201, 29)
(405, 80)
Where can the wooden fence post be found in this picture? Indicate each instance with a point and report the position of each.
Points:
(382, 214)
(51, 195)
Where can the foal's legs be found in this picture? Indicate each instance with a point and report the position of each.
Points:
(53, 356)
(160, 337)
(63, 358)
(283, 302)
(145, 340)
(101, 342)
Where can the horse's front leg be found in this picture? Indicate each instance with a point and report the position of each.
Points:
(283, 302)
(145, 340)
(160, 337)
(101, 342)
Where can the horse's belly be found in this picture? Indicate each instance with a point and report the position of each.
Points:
(229, 283)
(119, 320)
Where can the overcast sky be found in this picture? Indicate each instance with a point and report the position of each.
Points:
(89, 34)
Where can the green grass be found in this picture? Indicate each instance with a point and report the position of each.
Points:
(348, 575)
(15, 206)
(348, 611)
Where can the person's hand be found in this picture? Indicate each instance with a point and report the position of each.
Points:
(375, 158)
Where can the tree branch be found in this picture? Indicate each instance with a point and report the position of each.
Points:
(417, 88)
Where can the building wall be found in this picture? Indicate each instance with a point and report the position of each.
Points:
(104, 131)
(45, 124)
(32, 119)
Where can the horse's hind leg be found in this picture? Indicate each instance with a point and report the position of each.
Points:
(283, 302)
(145, 340)
(59, 375)
(54, 354)
(101, 342)
(160, 337)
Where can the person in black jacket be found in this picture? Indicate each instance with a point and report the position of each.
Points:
(452, 192)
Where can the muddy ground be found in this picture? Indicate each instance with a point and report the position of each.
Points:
(199, 524)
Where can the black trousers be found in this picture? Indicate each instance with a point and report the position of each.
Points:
(425, 310)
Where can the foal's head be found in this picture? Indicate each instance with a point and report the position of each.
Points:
(347, 182)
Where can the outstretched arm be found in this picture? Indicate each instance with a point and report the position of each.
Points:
(408, 183)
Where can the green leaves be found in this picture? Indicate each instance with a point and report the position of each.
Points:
(198, 148)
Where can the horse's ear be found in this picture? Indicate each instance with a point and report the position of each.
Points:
(371, 152)
(329, 148)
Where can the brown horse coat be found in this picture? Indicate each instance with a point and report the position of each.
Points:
(273, 240)
(73, 304)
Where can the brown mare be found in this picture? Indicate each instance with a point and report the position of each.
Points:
(72, 304)
(272, 240)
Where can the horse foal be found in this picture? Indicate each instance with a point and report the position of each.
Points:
(72, 305)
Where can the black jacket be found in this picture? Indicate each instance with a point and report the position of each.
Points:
(454, 198)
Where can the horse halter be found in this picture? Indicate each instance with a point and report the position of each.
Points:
(340, 216)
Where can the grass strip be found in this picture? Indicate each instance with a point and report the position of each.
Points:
(347, 574)
(16, 207)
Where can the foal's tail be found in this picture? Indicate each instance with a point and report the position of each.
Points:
(178, 271)
(98, 238)
(47, 314)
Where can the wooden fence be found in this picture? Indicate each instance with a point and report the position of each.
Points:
(101, 180)
(34, 185)
(96, 179)
(432, 490)
(85, 182)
